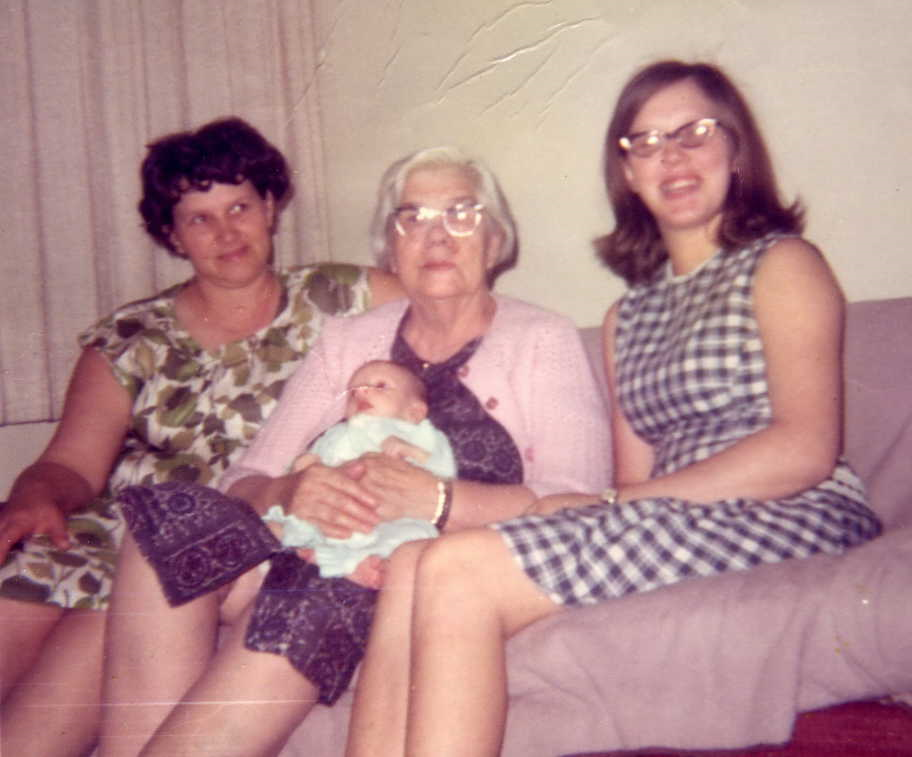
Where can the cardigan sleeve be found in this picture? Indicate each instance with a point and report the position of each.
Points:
(569, 429)
(533, 374)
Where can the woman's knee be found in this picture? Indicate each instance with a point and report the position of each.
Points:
(460, 561)
(402, 563)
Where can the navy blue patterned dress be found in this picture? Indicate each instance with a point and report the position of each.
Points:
(198, 539)
(691, 377)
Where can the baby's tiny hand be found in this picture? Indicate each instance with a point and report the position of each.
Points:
(396, 447)
(303, 462)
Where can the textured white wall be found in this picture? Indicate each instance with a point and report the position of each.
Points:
(529, 87)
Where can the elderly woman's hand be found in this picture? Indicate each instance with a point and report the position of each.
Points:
(333, 500)
(401, 490)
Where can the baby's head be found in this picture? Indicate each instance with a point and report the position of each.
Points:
(387, 390)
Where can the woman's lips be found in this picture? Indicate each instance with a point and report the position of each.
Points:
(679, 186)
(232, 255)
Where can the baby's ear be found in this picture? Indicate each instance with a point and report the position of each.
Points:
(416, 411)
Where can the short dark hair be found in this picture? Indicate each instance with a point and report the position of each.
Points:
(225, 151)
(634, 250)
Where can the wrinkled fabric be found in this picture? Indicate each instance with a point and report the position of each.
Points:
(198, 539)
(320, 624)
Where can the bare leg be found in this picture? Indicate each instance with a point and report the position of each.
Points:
(155, 653)
(378, 719)
(246, 704)
(470, 597)
(23, 628)
(55, 708)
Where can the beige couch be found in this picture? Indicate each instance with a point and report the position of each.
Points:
(729, 661)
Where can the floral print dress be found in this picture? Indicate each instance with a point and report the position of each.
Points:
(194, 411)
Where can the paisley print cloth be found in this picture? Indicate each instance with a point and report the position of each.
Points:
(194, 411)
(198, 540)
(691, 381)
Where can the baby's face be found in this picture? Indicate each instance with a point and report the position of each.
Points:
(385, 390)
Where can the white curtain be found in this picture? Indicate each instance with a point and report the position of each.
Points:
(85, 85)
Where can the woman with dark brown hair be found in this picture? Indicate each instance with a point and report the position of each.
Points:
(172, 387)
(723, 364)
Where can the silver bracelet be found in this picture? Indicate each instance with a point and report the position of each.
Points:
(609, 496)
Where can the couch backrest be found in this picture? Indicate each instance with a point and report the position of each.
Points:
(878, 400)
(878, 414)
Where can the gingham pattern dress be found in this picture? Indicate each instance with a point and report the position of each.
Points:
(692, 381)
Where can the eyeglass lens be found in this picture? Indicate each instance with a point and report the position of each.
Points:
(459, 220)
(690, 135)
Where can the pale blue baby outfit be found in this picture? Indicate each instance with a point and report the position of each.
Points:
(346, 441)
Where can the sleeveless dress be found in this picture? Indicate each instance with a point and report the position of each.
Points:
(691, 380)
(194, 411)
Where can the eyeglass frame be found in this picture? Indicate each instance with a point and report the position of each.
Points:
(627, 145)
(428, 215)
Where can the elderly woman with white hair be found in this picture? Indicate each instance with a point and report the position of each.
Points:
(507, 382)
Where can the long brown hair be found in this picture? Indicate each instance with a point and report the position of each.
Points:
(635, 250)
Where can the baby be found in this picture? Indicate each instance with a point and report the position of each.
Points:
(386, 412)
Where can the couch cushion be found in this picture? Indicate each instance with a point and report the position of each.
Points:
(878, 417)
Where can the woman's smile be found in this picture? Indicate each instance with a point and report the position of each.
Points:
(679, 186)
(684, 188)
(235, 254)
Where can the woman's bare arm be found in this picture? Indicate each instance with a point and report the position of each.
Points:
(77, 461)
(799, 310)
(633, 457)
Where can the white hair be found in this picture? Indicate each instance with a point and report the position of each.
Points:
(488, 191)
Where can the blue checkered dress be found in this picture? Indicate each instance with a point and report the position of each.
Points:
(692, 381)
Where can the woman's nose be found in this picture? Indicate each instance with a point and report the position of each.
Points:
(436, 230)
(226, 229)
(671, 151)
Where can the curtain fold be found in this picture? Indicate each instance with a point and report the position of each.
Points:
(85, 86)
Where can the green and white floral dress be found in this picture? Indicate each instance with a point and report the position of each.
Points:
(194, 411)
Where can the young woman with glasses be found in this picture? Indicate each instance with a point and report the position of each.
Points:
(723, 361)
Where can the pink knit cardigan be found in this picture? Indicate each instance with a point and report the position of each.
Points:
(530, 373)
